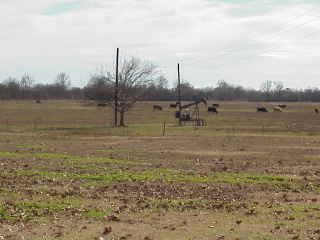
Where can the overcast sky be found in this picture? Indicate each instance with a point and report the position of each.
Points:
(244, 42)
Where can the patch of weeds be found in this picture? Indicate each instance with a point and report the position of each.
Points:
(176, 176)
(113, 150)
(101, 160)
(42, 174)
(106, 178)
(66, 157)
(4, 214)
(280, 224)
(42, 207)
(255, 179)
(50, 156)
(97, 214)
(161, 173)
(38, 155)
(28, 210)
(170, 175)
(10, 155)
(26, 146)
(87, 167)
(117, 176)
(39, 210)
(83, 159)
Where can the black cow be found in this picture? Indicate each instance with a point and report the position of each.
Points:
(216, 105)
(213, 110)
(38, 101)
(157, 107)
(316, 110)
(101, 105)
(173, 105)
(261, 109)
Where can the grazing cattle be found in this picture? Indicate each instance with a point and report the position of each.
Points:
(261, 109)
(277, 109)
(316, 110)
(282, 106)
(174, 105)
(157, 107)
(101, 105)
(216, 105)
(213, 110)
(38, 101)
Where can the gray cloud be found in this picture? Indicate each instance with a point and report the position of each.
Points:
(243, 42)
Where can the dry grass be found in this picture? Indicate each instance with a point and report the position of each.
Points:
(67, 174)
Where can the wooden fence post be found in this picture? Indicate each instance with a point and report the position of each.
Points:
(164, 128)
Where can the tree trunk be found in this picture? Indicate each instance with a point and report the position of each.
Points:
(122, 118)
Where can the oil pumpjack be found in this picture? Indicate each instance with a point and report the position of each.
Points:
(186, 115)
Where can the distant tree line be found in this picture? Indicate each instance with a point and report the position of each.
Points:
(26, 88)
(100, 89)
(159, 91)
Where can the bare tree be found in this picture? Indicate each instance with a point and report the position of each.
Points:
(63, 80)
(278, 89)
(98, 88)
(266, 88)
(135, 76)
(26, 83)
(61, 85)
(12, 88)
(224, 91)
(161, 82)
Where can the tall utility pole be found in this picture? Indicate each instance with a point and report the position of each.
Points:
(116, 92)
(179, 94)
